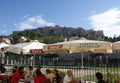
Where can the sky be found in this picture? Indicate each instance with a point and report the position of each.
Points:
(17, 15)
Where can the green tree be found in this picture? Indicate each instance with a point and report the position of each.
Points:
(15, 39)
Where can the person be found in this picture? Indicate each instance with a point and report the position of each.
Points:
(29, 75)
(99, 77)
(69, 77)
(19, 74)
(57, 76)
(40, 78)
(15, 69)
(2, 68)
(49, 76)
(37, 69)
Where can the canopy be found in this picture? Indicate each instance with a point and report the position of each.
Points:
(116, 46)
(3, 46)
(80, 45)
(91, 45)
(27, 48)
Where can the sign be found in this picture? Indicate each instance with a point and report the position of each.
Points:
(36, 51)
(55, 47)
(4, 48)
(88, 45)
(100, 50)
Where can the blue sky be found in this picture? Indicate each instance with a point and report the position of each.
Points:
(18, 15)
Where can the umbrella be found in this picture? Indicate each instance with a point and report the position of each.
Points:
(90, 45)
(27, 48)
(3, 44)
(116, 46)
(79, 46)
(3, 48)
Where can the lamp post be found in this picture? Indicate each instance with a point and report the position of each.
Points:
(33, 60)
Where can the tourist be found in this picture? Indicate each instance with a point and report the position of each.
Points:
(2, 68)
(40, 78)
(29, 77)
(99, 77)
(15, 68)
(18, 75)
(49, 76)
(37, 69)
(57, 76)
(69, 77)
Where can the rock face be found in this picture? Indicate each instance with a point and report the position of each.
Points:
(65, 31)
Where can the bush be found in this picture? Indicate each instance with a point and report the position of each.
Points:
(112, 78)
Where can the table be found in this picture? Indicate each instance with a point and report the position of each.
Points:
(4, 78)
(89, 82)
(24, 81)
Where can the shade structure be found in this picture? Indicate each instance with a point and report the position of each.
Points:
(3, 48)
(3, 44)
(90, 45)
(80, 46)
(26, 48)
(116, 46)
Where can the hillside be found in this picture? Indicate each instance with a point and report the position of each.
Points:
(56, 34)
(65, 31)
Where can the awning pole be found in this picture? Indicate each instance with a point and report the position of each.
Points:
(3, 55)
(33, 60)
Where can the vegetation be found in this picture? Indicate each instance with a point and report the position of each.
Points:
(109, 78)
(54, 39)
(57, 34)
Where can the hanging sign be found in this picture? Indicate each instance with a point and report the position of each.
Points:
(55, 47)
(36, 51)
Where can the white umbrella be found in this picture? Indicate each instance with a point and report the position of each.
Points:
(27, 48)
(116, 46)
(90, 45)
(80, 46)
(3, 48)
(3, 44)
